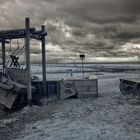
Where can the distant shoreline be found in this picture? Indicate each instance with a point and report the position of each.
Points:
(95, 63)
(86, 63)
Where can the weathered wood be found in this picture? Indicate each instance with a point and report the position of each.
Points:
(3, 55)
(88, 95)
(9, 91)
(5, 32)
(85, 82)
(26, 33)
(86, 88)
(21, 33)
(19, 75)
(80, 87)
(27, 52)
(37, 37)
(67, 89)
(7, 98)
(44, 62)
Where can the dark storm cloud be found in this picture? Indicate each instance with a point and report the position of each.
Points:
(131, 6)
(78, 25)
(127, 35)
(101, 11)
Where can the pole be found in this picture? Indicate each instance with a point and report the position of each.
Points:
(27, 52)
(83, 67)
(82, 57)
(3, 55)
(44, 62)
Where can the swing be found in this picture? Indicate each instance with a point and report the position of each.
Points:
(14, 58)
(14, 62)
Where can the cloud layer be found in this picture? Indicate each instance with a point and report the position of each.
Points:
(98, 28)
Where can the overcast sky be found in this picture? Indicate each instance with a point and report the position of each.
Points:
(98, 28)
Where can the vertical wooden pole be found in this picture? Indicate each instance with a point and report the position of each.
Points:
(27, 52)
(3, 55)
(44, 62)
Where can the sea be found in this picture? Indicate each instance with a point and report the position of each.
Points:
(60, 71)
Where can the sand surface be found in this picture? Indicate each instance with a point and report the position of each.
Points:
(109, 117)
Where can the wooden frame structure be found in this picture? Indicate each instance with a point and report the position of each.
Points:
(26, 33)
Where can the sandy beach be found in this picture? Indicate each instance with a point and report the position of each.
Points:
(109, 117)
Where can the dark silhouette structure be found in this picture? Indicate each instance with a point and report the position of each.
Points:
(27, 33)
(82, 57)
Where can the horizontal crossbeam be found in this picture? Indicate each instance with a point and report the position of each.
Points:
(20, 33)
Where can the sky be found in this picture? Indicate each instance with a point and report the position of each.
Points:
(104, 30)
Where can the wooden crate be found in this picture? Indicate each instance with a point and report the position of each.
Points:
(82, 88)
(86, 88)
(67, 89)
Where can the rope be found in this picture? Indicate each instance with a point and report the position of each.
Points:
(9, 51)
(16, 51)
(10, 46)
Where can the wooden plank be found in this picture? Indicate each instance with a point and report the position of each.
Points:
(85, 82)
(67, 89)
(87, 95)
(16, 32)
(86, 88)
(44, 62)
(3, 56)
(81, 88)
(18, 74)
(27, 52)
(20, 33)
(7, 98)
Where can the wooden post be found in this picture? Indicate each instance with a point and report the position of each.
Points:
(44, 62)
(27, 53)
(3, 55)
